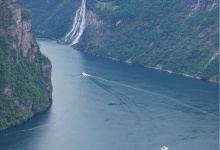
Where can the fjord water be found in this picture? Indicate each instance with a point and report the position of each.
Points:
(118, 106)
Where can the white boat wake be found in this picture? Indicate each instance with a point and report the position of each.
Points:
(30, 129)
(153, 93)
(73, 36)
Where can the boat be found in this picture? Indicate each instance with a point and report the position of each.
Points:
(164, 148)
(84, 74)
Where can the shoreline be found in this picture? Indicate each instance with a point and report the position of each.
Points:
(155, 68)
(27, 119)
(128, 61)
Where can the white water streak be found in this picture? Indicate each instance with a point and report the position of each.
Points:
(156, 94)
(78, 27)
(30, 129)
(211, 59)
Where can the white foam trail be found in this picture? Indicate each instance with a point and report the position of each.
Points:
(156, 94)
(30, 129)
(73, 36)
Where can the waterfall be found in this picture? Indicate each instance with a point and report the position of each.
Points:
(73, 36)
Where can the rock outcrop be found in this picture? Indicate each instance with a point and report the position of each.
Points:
(25, 80)
(201, 5)
(97, 30)
(18, 28)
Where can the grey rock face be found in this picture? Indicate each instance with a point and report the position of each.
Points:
(98, 30)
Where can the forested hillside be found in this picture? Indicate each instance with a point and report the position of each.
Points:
(52, 18)
(176, 35)
(25, 74)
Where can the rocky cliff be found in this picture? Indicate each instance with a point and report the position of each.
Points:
(25, 74)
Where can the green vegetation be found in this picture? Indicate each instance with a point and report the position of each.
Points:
(105, 6)
(169, 34)
(25, 14)
(22, 87)
(25, 82)
(53, 18)
(160, 33)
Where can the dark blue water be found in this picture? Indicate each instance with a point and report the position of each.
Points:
(118, 107)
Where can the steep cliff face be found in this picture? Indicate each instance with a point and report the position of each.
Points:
(25, 73)
(96, 31)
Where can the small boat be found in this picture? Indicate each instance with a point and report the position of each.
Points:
(164, 148)
(84, 74)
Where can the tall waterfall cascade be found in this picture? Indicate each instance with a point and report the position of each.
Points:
(73, 36)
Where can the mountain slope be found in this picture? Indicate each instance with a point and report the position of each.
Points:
(25, 74)
(177, 35)
(52, 18)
